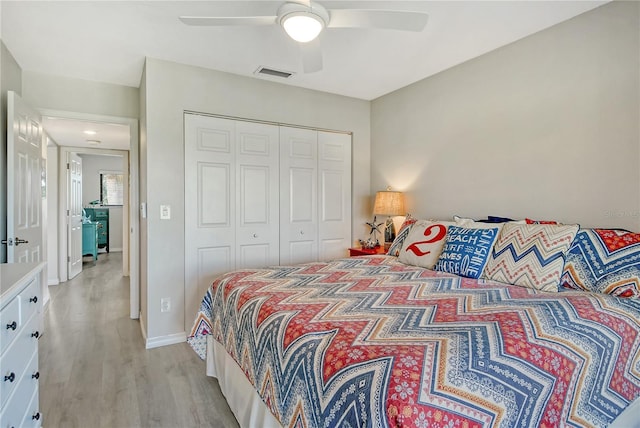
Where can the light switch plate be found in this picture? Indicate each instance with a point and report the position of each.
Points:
(165, 212)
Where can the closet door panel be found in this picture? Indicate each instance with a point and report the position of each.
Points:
(334, 172)
(298, 195)
(210, 209)
(214, 194)
(257, 180)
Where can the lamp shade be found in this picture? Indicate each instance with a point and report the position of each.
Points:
(389, 203)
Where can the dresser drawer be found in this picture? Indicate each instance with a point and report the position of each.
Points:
(32, 417)
(9, 317)
(13, 363)
(15, 411)
(31, 300)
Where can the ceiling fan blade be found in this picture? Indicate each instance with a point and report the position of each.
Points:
(385, 19)
(311, 56)
(228, 20)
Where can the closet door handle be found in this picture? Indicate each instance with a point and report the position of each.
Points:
(12, 326)
(36, 416)
(35, 334)
(34, 299)
(10, 378)
(36, 375)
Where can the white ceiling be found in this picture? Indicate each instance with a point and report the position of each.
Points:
(107, 41)
(71, 132)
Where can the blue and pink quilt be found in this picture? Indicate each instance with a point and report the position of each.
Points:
(371, 342)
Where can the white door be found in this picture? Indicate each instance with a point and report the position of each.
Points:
(24, 182)
(298, 195)
(210, 205)
(334, 188)
(74, 214)
(257, 195)
(231, 200)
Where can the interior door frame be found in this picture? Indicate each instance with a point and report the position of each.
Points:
(131, 260)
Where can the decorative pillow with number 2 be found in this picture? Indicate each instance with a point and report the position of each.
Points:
(423, 245)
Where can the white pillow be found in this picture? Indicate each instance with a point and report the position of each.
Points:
(425, 241)
(470, 223)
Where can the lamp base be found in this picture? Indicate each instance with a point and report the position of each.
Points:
(389, 230)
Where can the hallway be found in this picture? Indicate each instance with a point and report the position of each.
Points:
(96, 372)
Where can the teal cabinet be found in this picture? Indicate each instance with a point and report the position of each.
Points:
(100, 216)
(90, 239)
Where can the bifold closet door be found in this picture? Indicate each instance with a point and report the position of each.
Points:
(231, 200)
(298, 195)
(315, 188)
(258, 195)
(334, 195)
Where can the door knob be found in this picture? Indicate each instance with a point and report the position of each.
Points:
(19, 241)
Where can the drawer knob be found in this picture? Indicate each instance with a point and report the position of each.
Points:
(36, 416)
(34, 299)
(35, 334)
(255, 235)
(11, 377)
(36, 375)
(12, 326)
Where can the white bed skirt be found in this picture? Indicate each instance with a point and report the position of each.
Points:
(630, 418)
(244, 401)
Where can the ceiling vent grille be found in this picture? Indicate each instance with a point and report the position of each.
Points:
(272, 72)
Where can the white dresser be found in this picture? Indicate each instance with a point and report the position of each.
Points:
(20, 328)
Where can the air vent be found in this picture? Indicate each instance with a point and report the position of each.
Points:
(272, 72)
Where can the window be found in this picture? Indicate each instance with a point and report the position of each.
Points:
(111, 189)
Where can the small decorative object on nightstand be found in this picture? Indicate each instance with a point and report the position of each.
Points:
(372, 242)
(353, 252)
(389, 203)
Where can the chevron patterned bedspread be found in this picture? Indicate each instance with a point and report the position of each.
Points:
(371, 342)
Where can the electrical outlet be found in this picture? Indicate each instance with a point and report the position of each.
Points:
(165, 304)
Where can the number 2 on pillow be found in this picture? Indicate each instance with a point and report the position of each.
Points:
(435, 237)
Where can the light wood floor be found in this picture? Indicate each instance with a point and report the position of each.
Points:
(96, 372)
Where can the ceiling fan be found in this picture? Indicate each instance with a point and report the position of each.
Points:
(304, 20)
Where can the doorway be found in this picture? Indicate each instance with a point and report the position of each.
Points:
(84, 134)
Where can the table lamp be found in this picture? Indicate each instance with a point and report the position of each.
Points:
(389, 203)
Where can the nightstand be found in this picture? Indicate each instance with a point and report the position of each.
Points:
(366, 251)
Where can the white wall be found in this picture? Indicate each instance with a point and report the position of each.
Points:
(92, 166)
(545, 128)
(170, 90)
(44, 91)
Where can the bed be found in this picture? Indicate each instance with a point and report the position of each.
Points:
(373, 342)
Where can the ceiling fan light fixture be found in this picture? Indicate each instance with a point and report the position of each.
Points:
(302, 26)
(303, 22)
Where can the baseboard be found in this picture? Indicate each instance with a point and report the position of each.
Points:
(171, 339)
(115, 250)
(53, 281)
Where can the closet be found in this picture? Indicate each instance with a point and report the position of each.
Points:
(260, 194)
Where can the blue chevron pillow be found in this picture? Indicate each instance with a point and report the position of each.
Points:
(395, 247)
(530, 255)
(605, 261)
(466, 250)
